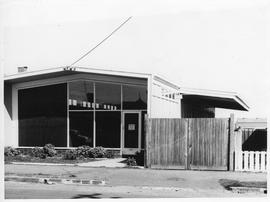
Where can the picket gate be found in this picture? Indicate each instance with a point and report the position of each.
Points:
(252, 161)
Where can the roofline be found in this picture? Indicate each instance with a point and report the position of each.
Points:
(166, 81)
(76, 69)
(215, 93)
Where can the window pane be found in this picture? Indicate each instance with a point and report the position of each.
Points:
(43, 116)
(134, 97)
(108, 96)
(81, 129)
(108, 129)
(81, 95)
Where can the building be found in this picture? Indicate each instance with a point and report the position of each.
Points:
(70, 107)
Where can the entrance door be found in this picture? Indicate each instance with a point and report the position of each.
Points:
(131, 132)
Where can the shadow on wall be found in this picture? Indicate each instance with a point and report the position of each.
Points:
(256, 141)
(8, 98)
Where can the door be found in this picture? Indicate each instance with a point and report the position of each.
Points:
(131, 132)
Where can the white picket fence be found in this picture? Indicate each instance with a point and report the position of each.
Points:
(253, 161)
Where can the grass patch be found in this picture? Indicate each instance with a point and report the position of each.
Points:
(227, 184)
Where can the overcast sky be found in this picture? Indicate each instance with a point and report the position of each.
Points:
(220, 45)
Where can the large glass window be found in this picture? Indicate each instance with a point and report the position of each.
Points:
(81, 95)
(81, 129)
(43, 116)
(108, 129)
(108, 96)
(134, 97)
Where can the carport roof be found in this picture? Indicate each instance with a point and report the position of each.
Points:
(213, 98)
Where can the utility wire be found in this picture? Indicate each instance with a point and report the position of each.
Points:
(101, 41)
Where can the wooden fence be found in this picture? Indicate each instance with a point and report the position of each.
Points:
(194, 143)
(251, 161)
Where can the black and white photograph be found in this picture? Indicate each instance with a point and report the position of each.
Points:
(131, 99)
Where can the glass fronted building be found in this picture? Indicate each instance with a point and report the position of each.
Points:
(74, 107)
(70, 107)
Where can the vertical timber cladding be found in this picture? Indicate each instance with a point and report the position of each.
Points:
(197, 143)
(167, 143)
(208, 138)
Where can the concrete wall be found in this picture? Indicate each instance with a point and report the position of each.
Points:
(165, 101)
(10, 136)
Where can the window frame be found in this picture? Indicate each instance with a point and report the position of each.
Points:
(67, 80)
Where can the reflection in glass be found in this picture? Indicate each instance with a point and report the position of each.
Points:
(108, 96)
(108, 129)
(81, 129)
(134, 97)
(43, 116)
(81, 95)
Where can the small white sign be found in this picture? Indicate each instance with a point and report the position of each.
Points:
(131, 126)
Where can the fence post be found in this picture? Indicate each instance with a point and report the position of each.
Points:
(231, 143)
(145, 140)
(238, 150)
(147, 131)
(188, 144)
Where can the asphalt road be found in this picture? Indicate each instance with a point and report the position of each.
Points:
(20, 190)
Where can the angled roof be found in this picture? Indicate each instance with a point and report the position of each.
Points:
(221, 99)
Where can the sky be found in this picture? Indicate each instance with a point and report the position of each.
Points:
(219, 45)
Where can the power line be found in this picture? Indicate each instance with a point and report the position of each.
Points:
(101, 42)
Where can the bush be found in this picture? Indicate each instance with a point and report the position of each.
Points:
(83, 151)
(98, 152)
(88, 152)
(70, 155)
(38, 152)
(10, 151)
(49, 150)
(109, 154)
(131, 161)
(139, 157)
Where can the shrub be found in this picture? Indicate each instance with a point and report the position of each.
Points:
(98, 152)
(70, 155)
(109, 154)
(83, 151)
(131, 161)
(139, 157)
(49, 150)
(38, 152)
(88, 152)
(10, 151)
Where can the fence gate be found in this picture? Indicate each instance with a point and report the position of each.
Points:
(208, 142)
(253, 161)
(194, 143)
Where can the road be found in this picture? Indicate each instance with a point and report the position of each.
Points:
(21, 190)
